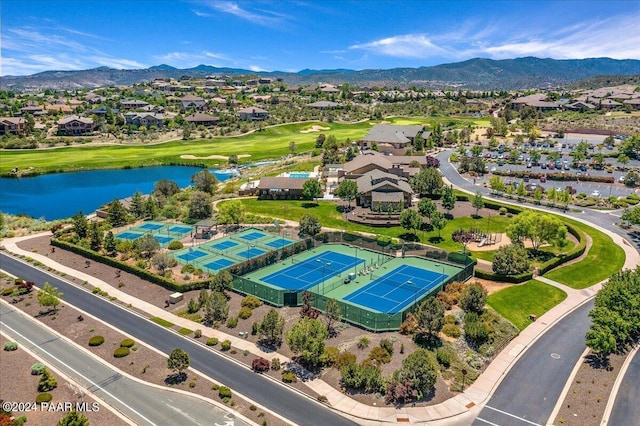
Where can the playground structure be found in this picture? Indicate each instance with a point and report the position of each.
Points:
(484, 238)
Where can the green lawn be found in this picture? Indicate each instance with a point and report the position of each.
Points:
(517, 302)
(603, 259)
(272, 142)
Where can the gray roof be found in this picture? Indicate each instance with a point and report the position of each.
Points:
(377, 179)
(391, 133)
(371, 157)
(279, 182)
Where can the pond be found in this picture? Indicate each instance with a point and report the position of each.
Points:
(61, 195)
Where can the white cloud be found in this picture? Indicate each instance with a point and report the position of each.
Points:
(117, 63)
(269, 18)
(403, 46)
(256, 68)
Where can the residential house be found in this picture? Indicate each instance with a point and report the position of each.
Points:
(383, 191)
(633, 103)
(253, 113)
(194, 102)
(390, 136)
(13, 125)
(100, 111)
(146, 119)
(33, 110)
(580, 106)
(74, 125)
(201, 119)
(609, 104)
(280, 188)
(537, 101)
(133, 104)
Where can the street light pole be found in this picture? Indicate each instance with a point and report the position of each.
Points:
(323, 275)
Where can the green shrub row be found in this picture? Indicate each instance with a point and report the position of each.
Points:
(146, 275)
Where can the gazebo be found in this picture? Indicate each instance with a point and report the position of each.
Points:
(204, 229)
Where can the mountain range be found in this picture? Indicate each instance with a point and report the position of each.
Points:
(473, 74)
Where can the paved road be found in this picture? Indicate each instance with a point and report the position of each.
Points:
(290, 404)
(141, 403)
(626, 410)
(531, 389)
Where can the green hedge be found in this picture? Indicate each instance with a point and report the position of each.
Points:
(487, 275)
(145, 275)
(96, 341)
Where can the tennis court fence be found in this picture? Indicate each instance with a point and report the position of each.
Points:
(374, 321)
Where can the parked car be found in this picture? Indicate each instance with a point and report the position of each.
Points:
(543, 165)
(595, 193)
(529, 165)
(543, 179)
(583, 168)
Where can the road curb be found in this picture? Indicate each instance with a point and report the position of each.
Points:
(616, 386)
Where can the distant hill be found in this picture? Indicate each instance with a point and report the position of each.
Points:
(606, 81)
(475, 74)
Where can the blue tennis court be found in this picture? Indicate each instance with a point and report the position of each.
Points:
(192, 255)
(163, 240)
(150, 226)
(128, 235)
(312, 271)
(218, 264)
(277, 244)
(252, 236)
(180, 229)
(224, 245)
(396, 290)
(250, 254)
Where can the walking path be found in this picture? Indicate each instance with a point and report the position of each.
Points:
(471, 399)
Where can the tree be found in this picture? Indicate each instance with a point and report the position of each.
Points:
(306, 338)
(411, 220)
(49, 296)
(430, 317)
(311, 189)
(309, 225)
(137, 205)
(146, 245)
(95, 237)
(623, 159)
(462, 236)
(347, 190)
(150, 208)
(332, 314)
(80, 224)
(221, 282)
(438, 221)
(178, 361)
(47, 381)
(110, 243)
(473, 298)
(163, 261)
(496, 184)
(116, 213)
(448, 198)
(521, 190)
(205, 181)
(272, 327)
(631, 215)
(426, 207)
(539, 228)
(165, 188)
(427, 182)
(200, 205)
(420, 370)
(216, 308)
(73, 418)
(231, 212)
(293, 148)
(511, 259)
(478, 202)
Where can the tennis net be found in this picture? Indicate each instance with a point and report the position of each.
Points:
(222, 253)
(409, 284)
(316, 265)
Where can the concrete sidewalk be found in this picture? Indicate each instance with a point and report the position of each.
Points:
(450, 411)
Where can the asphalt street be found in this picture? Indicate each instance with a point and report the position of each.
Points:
(626, 408)
(531, 389)
(290, 404)
(139, 402)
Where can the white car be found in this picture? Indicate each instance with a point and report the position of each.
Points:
(595, 193)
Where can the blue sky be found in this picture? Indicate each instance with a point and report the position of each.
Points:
(281, 35)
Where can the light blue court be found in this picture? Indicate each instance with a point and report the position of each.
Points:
(277, 244)
(127, 235)
(224, 245)
(163, 240)
(250, 253)
(299, 175)
(180, 229)
(398, 289)
(252, 236)
(150, 226)
(218, 264)
(192, 255)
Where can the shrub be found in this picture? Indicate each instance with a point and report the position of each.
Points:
(96, 341)
(245, 312)
(188, 269)
(255, 328)
(232, 322)
(192, 385)
(330, 356)
(212, 341)
(275, 364)
(363, 343)
(289, 377)
(121, 352)
(47, 382)
(252, 407)
(443, 356)
(380, 355)
(127, 343)
(511, 259)
(387, 345)
(175, 245)
(43, 397)
(345, 358)
(250, 302)
(197, 334)
(224, 393)
(37, 369)
(451, 330)
(225, 345)
(260, 365)
(10, 346)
